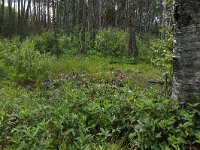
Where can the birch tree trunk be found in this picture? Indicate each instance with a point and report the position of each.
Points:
(186, 59)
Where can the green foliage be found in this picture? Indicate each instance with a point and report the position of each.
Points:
(112, 42)
(85, 116)
(65, 45)
(157, 52)
(30, 65)
(6, 49)
(169, 2)
(165, 125)
(2, 70)
(90, 101)
(48, 43)
(45, 42)
(160, 53)
(77, 42)
(23, 63)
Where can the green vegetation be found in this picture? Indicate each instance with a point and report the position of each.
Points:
(91, 101)
(112, 42)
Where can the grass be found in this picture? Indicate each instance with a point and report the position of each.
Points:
(78, 64)
(90, 101)
(94, 103)
(74, 81)
(101, 68)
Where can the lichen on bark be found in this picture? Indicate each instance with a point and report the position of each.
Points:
(186, 65)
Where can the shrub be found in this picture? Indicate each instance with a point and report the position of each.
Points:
(157, 52)
(77, 42)
(112, 42)
(65, 44)
(30, 64)
(7, 48)
(24, 63)
(2, 69)
(160, 54)
(45, 42)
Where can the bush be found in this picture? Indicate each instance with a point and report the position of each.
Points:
(24, 63)
(2, 70)
(157, 52)
(112, 42)
(7, 48)
(160, 53)
(45, 42)
(77, 42)
(30, 65)
(67, 46)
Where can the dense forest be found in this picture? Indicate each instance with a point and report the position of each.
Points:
(99, 74)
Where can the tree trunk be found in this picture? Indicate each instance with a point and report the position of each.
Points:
(163, 19)
(18, 17)
(186, 59)
(3, 17)
(10, 19)
(92, 23)
(133, 50)
(24, 18)
(83, 26)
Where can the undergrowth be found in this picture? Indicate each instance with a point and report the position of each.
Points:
(88, 115)
(91, 101)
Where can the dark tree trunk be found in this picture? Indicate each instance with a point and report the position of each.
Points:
(186, 58)
(83, 26)
(10, 19)
(92, 23)
(19, 17)
(24, 19)
(3, 17)
(48, 13)
(133, 50)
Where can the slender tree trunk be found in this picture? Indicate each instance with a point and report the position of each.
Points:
(163, 20)
(19, 17)
(38, 16)
(10, 23)
(133, 50)
(73, 16)
(24, 20)
(3, 17)
(83, 45)
(97, 15)
(14, 18)
(56, 50)
(92, 22)
(186, 58)
(48, 13)
(21, 20)
(66, 17)
(34, 14)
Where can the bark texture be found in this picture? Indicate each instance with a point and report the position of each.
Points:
(186, 58)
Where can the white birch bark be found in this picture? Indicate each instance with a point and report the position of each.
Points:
(186, 58)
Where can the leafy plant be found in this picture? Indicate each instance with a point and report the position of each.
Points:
(24, 63)
(112, 42)
(44, 43)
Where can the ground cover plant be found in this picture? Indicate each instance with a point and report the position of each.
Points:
(93, 100)
(99, 75)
